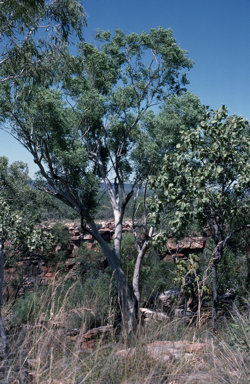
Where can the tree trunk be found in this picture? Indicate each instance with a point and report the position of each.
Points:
(215, 293)
(248, 263)
(3, 337)
(125, 295)
(136, 279)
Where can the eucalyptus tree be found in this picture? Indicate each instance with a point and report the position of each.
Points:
(207, 180)
(30, 30)
(87, 127)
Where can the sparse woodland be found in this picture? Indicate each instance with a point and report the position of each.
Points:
(127, 258)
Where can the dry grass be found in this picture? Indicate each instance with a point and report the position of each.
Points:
(40, 351)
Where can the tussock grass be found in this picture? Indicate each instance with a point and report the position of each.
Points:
(40, 350)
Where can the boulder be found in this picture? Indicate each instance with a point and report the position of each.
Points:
(93, 336)
(166, 350)
(164, 299)
(153, 315)
(190, 244)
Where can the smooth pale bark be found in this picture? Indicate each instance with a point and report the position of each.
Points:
(114, 260)
(114, 256)
(3, 337)
(136, 277)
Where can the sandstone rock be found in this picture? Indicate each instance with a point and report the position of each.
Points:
(87, 236)
(178, 312)
(76, 239)
(73, 333)
(91, 338)
(187, 245)
(166, 350)
(106, 234)
(164, 299)
(149, 314)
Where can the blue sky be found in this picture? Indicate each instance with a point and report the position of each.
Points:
(216, 33)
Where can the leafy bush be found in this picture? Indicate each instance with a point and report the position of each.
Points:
(60, 234)
(27, 308)
(61, 238)
(156, 274)
(159, 276)
(91, 261)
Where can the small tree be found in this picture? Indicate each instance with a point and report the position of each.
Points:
(207, 181)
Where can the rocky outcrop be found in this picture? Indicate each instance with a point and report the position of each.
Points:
(107, 231)
(91, 338)
(184, 247)
(149, 315)
(33, 270)
(165, 350)
(164, 300)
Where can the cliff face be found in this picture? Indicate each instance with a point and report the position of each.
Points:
(32, 270)
(36, 269)
(184, 247)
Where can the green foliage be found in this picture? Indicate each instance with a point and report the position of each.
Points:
(158, 275)
(128, 257)
(239, 332)
(21, 51)
(14, 229)
(231, 272)
(105, 86)
(17, 190)
(60, 234)
(82, 119)
(91, 261)
(188, 275)
(161, 131)
(209, 173)
(61, 238)
(27, 308)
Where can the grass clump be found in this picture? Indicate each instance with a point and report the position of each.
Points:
(41, 349)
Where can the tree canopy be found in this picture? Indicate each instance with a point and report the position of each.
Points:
(21, 51)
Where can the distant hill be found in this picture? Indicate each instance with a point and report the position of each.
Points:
(127, 187)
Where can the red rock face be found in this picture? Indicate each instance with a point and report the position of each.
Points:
(186, 246)
(34, 270)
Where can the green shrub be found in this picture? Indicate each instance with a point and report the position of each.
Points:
(156, 275)
(91, 261)
(27, 308)
(159, 276)
(61, 234)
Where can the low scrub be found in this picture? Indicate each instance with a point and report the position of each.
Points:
(46, 328)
